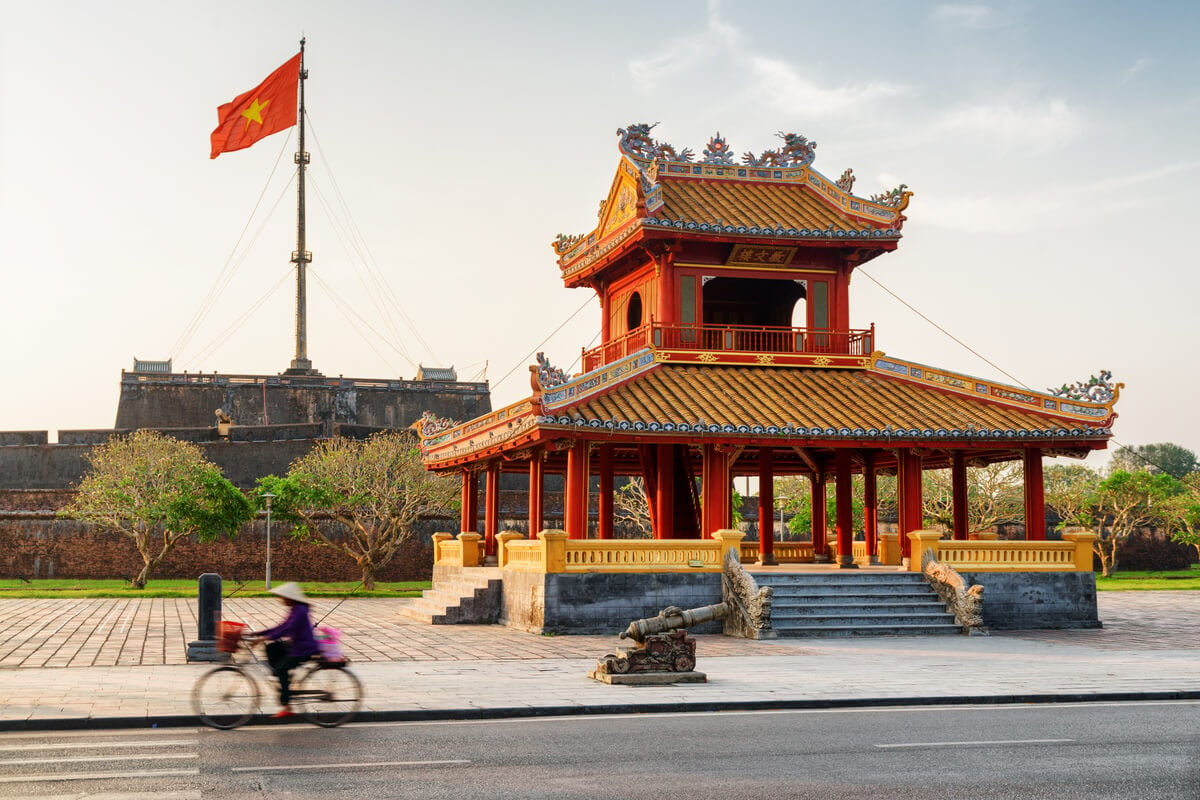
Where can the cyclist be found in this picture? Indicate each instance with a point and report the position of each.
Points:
(292, 641)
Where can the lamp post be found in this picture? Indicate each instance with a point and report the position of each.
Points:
(267, 498)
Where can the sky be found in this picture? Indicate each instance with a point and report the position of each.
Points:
(1051, 148)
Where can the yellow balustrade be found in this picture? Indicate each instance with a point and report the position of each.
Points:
(786, 552)
(462, 552)
(553, 552)
(1073, 554)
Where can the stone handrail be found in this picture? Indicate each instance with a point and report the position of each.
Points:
(1073, 554)
(553, 552)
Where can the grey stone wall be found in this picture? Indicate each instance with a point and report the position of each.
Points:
(602, 603)
(188, 401)
(1037, 600)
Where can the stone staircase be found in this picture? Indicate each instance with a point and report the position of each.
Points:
(458, 597)
(849, 603)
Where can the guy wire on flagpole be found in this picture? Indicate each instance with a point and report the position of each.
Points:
(301, 257)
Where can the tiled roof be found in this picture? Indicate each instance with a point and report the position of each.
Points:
(812, 403)
(761, 205)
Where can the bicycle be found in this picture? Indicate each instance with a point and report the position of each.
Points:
(325, 691)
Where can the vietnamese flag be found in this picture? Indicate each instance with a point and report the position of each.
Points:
(268, 108)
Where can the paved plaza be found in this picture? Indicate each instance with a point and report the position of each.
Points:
(78, 663)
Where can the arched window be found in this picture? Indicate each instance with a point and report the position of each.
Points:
(633, 312)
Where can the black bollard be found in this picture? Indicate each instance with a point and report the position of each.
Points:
(208, 614)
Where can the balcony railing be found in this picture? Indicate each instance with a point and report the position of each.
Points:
(730, 339)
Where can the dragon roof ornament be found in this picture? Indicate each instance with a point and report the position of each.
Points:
(1093, 390)
(797, 150)
(431, 424)
(549, 376)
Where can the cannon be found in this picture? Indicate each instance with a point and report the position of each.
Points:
(664, 649)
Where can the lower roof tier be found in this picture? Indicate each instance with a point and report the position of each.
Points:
(879, 403)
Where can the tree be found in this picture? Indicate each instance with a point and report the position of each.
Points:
(995, 494)
(1172, 459)
(1069, 490)
(1124, 502)
(361, 497)
(158, 491)
(631, 506)
(1183, 512)
(796, 496)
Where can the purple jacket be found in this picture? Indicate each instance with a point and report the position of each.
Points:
(297, 629)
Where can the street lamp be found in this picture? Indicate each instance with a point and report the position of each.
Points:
(267, 498)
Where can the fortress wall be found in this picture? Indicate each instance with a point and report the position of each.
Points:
(189, 401)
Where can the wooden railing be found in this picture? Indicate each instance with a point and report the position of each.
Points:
(553, 552)
(732, 338)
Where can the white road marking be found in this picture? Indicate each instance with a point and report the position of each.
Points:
(976, 744)
(281, 767)
(98, 733)
(96, 745)
(188, 795)
(98, 776)
(93, 759)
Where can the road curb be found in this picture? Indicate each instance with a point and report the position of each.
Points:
(517, 712)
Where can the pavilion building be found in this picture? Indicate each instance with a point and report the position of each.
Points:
(727, 349)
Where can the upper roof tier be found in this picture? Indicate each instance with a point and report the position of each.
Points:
(776, 195)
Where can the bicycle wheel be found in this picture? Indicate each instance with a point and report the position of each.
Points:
(328, 696)
(225, 697)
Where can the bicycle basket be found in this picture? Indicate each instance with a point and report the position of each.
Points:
(229, 634)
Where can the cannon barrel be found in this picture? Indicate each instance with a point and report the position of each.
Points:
(672, 618)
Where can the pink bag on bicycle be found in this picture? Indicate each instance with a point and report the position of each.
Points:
(329, 640)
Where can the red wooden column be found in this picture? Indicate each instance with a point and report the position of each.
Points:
(820, 548)
(575, 510)
(766, 507)
(958, 494)
(844, 509)
(664, 491)
(469, 513)
(536, 487)
(1035, 495)
(908, 476)
(714, 483)
(491, 512)
(604, 510)
(870, 506)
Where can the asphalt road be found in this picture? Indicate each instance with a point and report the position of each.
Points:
(1139, 751)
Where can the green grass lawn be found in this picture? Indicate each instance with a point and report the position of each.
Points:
(188, 588)
(1141, 581)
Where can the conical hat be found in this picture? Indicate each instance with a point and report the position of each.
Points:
(292, 591)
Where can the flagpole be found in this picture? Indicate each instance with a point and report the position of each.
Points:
(301, 257)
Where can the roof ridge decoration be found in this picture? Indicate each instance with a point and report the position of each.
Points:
(636, 142)
(431, 424)
(1089, 402)
(1094, 390)
(548, 375)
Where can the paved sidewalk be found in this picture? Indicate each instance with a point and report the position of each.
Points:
(68, 664)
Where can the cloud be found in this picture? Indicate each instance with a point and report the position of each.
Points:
(685, 53)
(1133, 70)
(781, 84)
(792, 92)
(1037, 126)
(964, 16)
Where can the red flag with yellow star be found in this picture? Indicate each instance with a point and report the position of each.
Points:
(268, 108)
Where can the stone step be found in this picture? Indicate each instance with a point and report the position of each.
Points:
(820, 631)
(854, 617)
(832, 609)
(805, 595)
